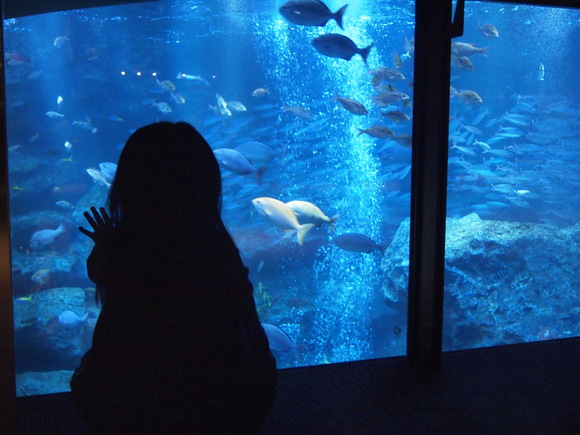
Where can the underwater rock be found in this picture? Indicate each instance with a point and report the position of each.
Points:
(21, 163)
(37, 329)
(505, 282)
(34, 383)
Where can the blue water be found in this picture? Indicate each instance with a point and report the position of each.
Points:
(105, 64)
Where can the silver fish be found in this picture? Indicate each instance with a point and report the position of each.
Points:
(234, 161)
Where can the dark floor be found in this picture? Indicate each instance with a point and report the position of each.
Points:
(520, 389)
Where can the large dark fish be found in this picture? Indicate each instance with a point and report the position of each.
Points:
(310, 13)
(355, 242)
(336, 45)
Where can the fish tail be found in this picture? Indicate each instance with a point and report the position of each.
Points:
(301, 232)
(338, 16)
(332, 222)
(365, 52)
(360, 131)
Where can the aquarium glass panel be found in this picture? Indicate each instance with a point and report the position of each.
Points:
(513, 227)
(325, 137)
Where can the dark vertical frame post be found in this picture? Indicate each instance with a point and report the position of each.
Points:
(7, 374)
(429, 182)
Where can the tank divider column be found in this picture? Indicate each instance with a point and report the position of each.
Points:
(8, 417)
(429, 183)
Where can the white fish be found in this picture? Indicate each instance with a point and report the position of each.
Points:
(282, 216)
(52, 114)
(309, 213)
(98, 177)
(236, 106)
(222, 106)
(71, 320)
(65, 204)
(42, 238)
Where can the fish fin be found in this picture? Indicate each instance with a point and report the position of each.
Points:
(338, 16)
(259, 173)
(288, 234)
(332, 222)
(301, 232)
(365, 52)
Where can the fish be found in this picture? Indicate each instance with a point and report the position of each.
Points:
(467, 97)
(405, 140)
(386, 75)
(377, 131)
(162, 106)
(541, 72)
(40, 276)
(282, 216)
(234, 161)
(278, 340)
(511, 132)
(163, 86)
(355, 242)
(108, 169)
(391, 97)
(86, 125)
(53, 114)
(196, 83)
(42, 238)
(397, 62)
(309, 213)
(222, 106)
(298, 111)
(466, 49)
(517, 119)
(71, 320)
(310, 13)
(98, 177)
(115, 118)
(260, 92)
(351, 105)
(178, 98)
(461, 62)
(396, 116)
(488, 30)
(257, 152)
(339, 46)
(236, 106)
(65, 204)
(59, 41)
(409, 45)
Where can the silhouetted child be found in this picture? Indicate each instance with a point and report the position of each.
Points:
(178, 347)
